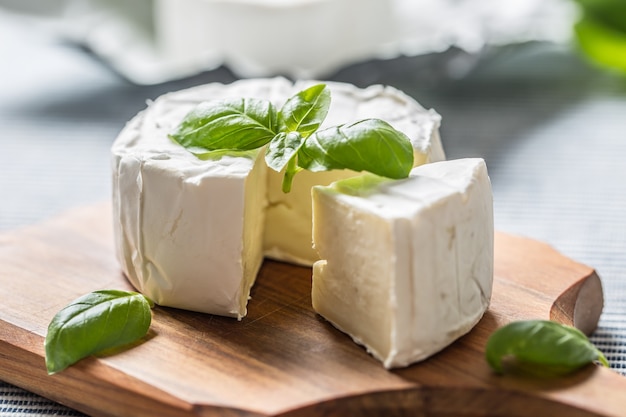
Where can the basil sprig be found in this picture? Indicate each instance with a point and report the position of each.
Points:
(305, 111)
(238, 124)
(541, 348)
(293, 136)
(93, 323)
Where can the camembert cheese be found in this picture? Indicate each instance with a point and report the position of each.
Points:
(406, 266)
(192, 234)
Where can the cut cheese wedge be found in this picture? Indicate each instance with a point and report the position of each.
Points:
(191, 233)
(406, 266)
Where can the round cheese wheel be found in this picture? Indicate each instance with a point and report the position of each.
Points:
(192, 233)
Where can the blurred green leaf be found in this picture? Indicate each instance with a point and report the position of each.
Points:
(610, 13)
(601, 32)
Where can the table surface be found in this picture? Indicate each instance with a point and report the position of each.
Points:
(550, 126)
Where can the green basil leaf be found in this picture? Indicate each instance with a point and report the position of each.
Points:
(540, 347)
(602, 43)
(305, 111)
(601, 32)
(93, 323)
(360, 185)
(609, 13)
(370, 145)
(219, 153)
(240, 124)
(282, 149)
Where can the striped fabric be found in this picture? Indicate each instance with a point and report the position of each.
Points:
(15, 402)
(563, 182)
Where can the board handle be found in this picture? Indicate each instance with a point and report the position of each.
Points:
(580, 305)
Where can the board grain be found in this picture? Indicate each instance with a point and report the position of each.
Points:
(283, 359)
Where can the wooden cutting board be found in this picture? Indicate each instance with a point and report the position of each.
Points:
(283, 359)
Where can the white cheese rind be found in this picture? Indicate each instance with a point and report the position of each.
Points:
(407, 266)
(188, 232)
(191, 234)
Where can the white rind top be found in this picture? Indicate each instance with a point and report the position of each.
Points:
(146, 134)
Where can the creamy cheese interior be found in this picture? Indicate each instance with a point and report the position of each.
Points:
(192, 234)
(407, 266)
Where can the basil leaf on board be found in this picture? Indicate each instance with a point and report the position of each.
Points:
(239, 124)
(369, 145)
(93, 323)
(541, 348)
(305, 112)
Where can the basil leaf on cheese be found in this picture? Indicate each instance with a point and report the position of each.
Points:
(305, 112)
(236, 124)
(369, 145)
(540, 347)
(205, 155)
(93, 323)
(281, 153)
(218, 128)
(282, 149)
